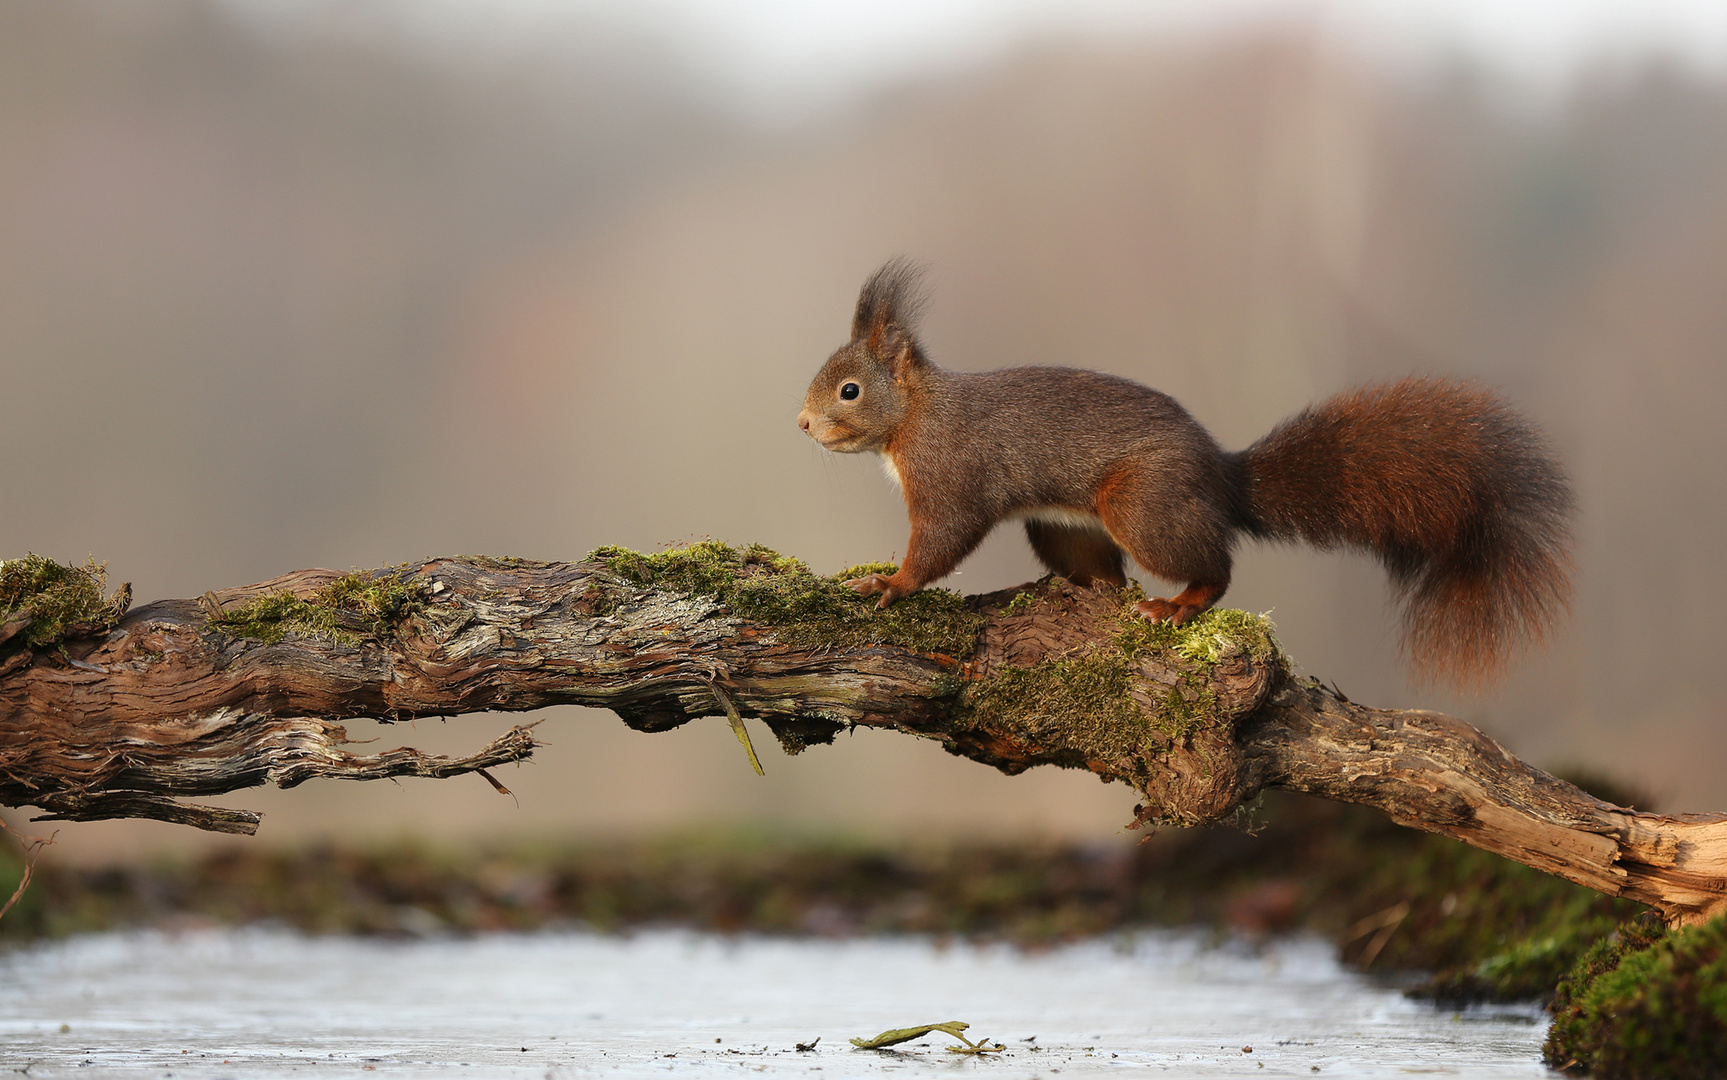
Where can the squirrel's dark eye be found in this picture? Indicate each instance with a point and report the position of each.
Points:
(850, 391)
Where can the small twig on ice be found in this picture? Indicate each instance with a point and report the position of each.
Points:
(956, 1028)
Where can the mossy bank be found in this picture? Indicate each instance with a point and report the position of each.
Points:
(1645, 1004)
(1299, 863)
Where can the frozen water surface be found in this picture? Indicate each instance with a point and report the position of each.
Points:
(256, 1003)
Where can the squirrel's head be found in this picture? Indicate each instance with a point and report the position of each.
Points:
(861, 394)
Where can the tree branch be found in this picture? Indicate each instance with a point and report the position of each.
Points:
(247, 686)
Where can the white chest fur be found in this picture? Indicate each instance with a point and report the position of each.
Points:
(891, 469)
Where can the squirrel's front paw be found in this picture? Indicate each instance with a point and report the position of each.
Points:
(871, 584)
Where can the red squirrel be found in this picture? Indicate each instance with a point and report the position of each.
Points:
(1453, 491)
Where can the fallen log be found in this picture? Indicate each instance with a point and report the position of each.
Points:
(127, 712)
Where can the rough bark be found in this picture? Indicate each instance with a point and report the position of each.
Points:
(172, 703)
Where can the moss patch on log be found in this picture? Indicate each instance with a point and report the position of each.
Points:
(1083, 702)
(347, 610)
(1645, 1004)
(62, 601)
(802, 607)
(1096, 702)
(1208, 639)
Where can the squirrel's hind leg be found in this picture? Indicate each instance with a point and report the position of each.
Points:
(1174, 527)
(1085, 556)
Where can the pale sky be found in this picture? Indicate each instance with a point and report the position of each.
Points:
(795, 55)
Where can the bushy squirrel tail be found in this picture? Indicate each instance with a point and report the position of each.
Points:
(1456, 495)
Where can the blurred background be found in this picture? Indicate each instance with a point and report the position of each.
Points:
(347, 283)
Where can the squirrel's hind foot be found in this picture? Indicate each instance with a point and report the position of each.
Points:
(1192, 600)
(1158, 609)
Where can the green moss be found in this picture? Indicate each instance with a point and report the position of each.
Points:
(1204, 642)
(347, 610)
(1207, 639)
(1531, 968)
(1085, 700)
(63, 601)
(886, 569)
(945, 686)
(802, 607)
(1605, 955)
(1646, 1004)
(1081, 701)
(1492, 928)
(1527, 971)
(1185, 709)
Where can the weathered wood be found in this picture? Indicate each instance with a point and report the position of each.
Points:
(173, 703)
(1436, 773)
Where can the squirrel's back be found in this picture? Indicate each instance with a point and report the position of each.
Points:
(1041, 436)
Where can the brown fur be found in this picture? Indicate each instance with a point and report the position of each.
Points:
(1440, 480)
(1451, 490)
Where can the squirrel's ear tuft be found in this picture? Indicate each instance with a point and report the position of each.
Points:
(891, 300)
